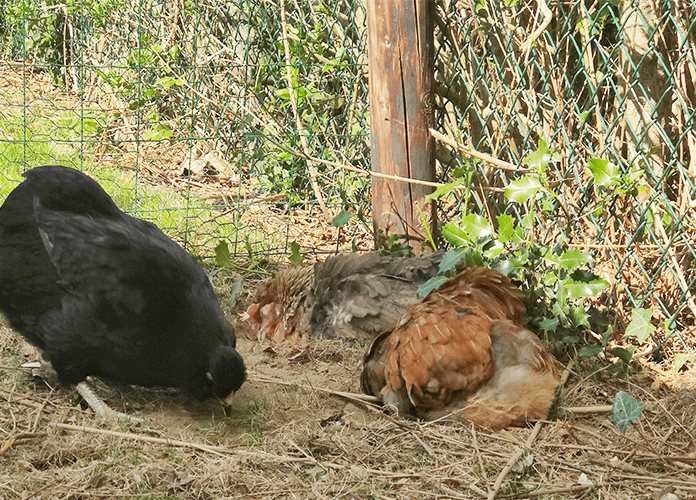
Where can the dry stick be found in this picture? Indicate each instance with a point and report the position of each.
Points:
(503, 165)
(148, 439)
(372, 401)
(17, 438)
(589, 410)
(361, 398)
(530, 440)
(39, 412)
(298, 120)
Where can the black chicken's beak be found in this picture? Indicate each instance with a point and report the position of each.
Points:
(229, 399)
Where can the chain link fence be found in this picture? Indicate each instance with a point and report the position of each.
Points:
(254, 115)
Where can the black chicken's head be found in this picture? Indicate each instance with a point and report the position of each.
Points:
(226, 373)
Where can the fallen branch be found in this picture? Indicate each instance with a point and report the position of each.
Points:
(353, 396)
(217, 450)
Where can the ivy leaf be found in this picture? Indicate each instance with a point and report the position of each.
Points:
(506, 228)
(222, 254)
(443, 190)
(430, 285)
(589, 351)
(476, 226)
(549, 324)
(580, 290)
(681, 359)
(296, 257)
(451, 258)
(523, 189)
(624, 355)
(540, 159)
(341, 219)
(640, 326)
(605, 173)
(455, 235)
(626, 409)
(574, 258)
(235, 289)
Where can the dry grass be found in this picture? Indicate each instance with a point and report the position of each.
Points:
(280, 441)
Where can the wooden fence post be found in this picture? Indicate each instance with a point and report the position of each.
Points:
(401, 55)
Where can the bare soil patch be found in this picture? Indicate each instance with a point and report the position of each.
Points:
(299, 441)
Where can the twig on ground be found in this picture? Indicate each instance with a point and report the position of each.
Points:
(148, 439)
(360, 398)
(16, 439)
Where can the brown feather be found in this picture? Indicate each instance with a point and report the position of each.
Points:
(462, 352)
(352, 296)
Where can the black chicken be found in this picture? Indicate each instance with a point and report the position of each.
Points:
(103, 293)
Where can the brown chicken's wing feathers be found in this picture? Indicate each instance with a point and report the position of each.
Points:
(462, 353)
(358, 296)
(437, 352)
(485, 292)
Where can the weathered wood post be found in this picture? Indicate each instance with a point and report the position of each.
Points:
(401, 53)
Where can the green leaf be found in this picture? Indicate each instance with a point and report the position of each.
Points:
(455, 235)
(222, 254)
(681, 359)
(430, 285)
(539, 159)
(296, 256)
(341, 219)
(523, 189)
(158, 132)
(580, 290)
(605, 173)
(574, 258)
(624, 355)
(170, 81)
(589, 351)
(235, 289)
(626, 409)
(443, 190)
(549, 324)
(641, 325)
(506, 228)
(476, 227)
(451, 258)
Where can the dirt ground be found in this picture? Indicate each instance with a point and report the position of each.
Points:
(288, 436)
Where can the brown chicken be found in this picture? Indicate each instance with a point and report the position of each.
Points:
(349, 296)
(281, 310)
(462, 353)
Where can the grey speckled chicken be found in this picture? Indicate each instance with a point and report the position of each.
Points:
(462, 353)
(348, 296)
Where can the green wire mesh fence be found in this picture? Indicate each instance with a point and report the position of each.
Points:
(218, 119)
(606, 80)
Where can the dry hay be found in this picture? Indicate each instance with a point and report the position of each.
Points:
(293, 439)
